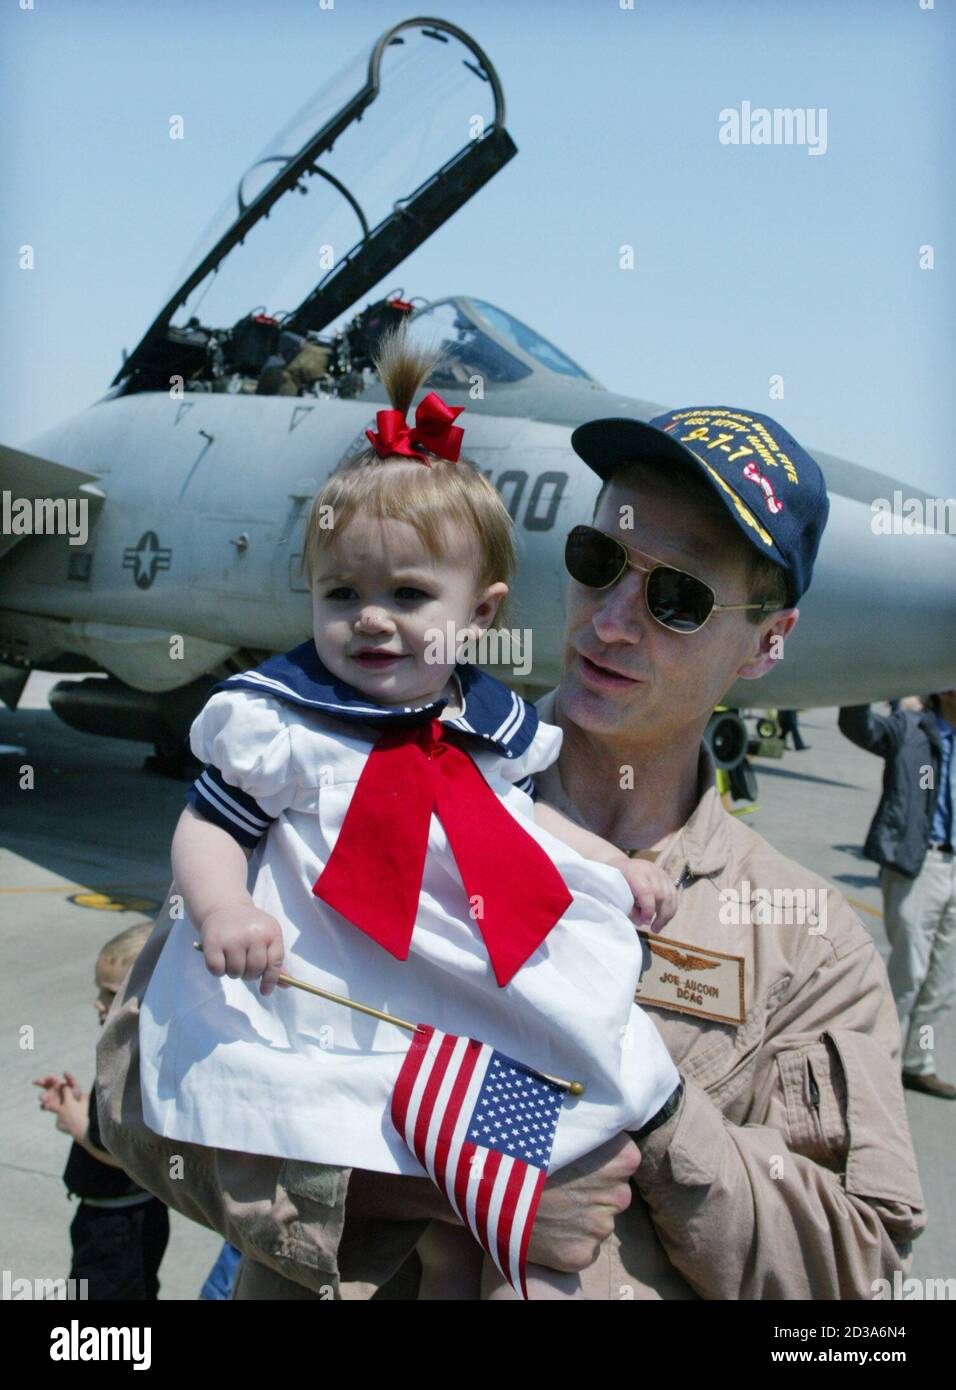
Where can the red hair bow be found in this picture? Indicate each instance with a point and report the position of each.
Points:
(433, 429)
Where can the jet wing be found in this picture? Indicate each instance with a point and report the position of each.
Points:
(362, 175)
(26, 476)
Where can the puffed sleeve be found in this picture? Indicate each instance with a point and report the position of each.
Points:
(541, 752)
(249, 777)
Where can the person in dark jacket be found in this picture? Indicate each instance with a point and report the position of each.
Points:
(787, 719)
(911, 838)
(120, 1231)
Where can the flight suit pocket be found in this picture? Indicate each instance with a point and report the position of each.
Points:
(815, 1093)
(880, 1163)
(845, 1110)
(726, 1063)
(318, 1182)
(313, 1212)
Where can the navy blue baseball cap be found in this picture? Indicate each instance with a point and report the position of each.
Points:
(771, 488)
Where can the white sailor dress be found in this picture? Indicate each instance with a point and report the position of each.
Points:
(296, 1076)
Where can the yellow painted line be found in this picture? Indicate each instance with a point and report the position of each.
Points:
(83, 887)
(865, 907)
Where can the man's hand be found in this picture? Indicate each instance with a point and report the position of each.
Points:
(578, 1206)
(575, 1214)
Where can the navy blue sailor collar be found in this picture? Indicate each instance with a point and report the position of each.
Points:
(490, 711)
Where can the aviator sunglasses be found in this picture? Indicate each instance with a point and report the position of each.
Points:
(678, 601)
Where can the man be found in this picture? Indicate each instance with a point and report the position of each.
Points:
(911, 837)
(757, 1185)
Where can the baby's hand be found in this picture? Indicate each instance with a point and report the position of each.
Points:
(655, 897)
(243, 942)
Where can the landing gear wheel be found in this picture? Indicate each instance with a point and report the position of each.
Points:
(726, 736)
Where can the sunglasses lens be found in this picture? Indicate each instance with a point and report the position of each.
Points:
(592, 558)
(678, 600)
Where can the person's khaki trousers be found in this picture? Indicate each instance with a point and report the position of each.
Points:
(258, 1281)
(920, 918)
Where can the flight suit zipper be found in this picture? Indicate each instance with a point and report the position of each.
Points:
(684, 877)
(814, 1088)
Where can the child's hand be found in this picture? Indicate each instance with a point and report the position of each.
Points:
(63, 1097)
(50, 1100)
(74, 1114)
(243, 942)
(655, 897)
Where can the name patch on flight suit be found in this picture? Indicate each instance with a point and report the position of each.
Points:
(693, 980)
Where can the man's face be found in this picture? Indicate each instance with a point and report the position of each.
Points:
(627, 677)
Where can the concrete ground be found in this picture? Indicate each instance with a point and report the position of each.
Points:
(86, 853)
(816, 807)
(93, 821)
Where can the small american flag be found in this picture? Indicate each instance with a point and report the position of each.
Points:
(482, 1126)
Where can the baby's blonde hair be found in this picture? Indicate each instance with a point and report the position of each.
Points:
(425, 495)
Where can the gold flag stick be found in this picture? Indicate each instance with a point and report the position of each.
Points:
(575, 1088)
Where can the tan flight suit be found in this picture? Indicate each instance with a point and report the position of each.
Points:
(788, 1171)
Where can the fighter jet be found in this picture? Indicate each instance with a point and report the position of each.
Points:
(156, 538)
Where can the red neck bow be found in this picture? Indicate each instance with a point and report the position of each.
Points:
(433, 429)
(374, 873)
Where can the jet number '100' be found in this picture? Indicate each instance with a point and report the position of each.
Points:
(544, 499)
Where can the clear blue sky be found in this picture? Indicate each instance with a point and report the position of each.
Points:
(749, 260)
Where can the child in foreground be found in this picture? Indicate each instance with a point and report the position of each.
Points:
(120, 1231)
(421, 544)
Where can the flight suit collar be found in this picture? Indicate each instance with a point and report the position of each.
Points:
(702, 845)
(490, 711)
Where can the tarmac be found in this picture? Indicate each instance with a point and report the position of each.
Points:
(86, 853)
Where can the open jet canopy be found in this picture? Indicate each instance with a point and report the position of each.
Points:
(477, 339)
(378, 159)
